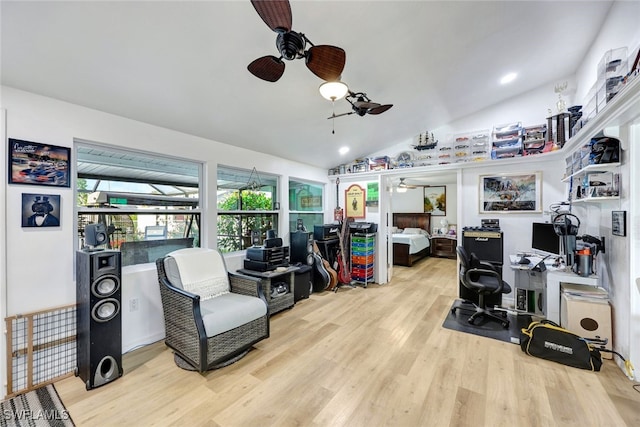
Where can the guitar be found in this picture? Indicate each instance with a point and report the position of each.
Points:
(344, 273)
(323, 268)
(338, 213)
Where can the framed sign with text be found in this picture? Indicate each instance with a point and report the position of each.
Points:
(354, 201)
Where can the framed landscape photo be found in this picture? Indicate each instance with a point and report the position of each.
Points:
(619, 223)
(435, 200)
(512, 192)
(38, 164)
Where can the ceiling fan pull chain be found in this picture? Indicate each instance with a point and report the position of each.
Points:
(333, 120)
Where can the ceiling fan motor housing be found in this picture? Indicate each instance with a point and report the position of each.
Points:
(290, 45)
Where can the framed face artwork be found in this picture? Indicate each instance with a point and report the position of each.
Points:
(512, 192)
(40, 210)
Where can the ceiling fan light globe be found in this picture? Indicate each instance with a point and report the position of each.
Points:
(333, 91)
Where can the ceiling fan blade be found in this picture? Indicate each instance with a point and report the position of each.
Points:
(275, 13)
(326, 62)
(366, 105)
(339, 115)
(267, 68)
(380, 109)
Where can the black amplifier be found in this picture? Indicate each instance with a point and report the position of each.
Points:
(261, 265)
(487, 245)
(277, 255)
(325, 232)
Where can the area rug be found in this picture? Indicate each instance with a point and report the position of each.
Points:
(487, 328)
(41, 408)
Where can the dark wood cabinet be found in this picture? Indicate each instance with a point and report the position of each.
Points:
(443, 246)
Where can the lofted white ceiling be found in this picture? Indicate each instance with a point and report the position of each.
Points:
(182, 65)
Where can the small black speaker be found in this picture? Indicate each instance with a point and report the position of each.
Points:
(301, 249)
(95, 234)
(98, 317)
(255, 237)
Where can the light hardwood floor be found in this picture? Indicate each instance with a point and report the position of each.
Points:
(363, 357)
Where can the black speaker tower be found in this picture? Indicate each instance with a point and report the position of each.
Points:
(98, 317)
(301, 248)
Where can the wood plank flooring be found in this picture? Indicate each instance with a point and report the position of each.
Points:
(363, 357)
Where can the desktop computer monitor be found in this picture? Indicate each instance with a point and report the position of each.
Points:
(544, 239)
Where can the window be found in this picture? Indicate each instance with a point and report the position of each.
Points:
(305, 204)
(247, 206)
(149, 204)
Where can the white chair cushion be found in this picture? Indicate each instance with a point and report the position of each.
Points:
(200, 271)
(228, 311)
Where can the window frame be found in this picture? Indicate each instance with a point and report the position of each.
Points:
(198, 211)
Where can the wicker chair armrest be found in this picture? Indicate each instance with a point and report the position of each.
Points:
(245, 285)
(186, 298)
(184, 330)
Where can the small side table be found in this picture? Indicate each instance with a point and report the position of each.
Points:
(269, 278)
(443, 246)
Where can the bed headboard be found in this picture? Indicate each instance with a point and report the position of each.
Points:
(413, 220)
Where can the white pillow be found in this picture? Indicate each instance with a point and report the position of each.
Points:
(394, 229)
(425, 232)
(412, 231)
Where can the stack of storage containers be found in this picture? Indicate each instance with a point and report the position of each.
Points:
(611, 71)
(363, 248)
(507, 140)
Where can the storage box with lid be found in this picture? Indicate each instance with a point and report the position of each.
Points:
(585, 311)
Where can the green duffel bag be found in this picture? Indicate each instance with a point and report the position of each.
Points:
(547, 340)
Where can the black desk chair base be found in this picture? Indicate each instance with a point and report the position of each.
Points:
(497, 314)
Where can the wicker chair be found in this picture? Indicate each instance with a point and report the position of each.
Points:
(212, 317)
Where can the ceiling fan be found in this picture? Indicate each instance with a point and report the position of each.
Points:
(361, 105)
(325, 61)
(403, 186)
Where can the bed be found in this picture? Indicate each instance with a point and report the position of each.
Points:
(413, 243)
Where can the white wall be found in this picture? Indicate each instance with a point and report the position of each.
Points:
(620, 29)
(40, 263)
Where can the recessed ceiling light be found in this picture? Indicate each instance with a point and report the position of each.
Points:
(508, 78)
(344, 150)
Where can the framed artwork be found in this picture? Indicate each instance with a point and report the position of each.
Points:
(354, 201)
(40, 210)
(38, 164)
(372, 195)
(619, 223)
(515, 192)
(435, 200)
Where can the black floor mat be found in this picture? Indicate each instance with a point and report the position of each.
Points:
(486, 327)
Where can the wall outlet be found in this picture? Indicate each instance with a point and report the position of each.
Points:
(134, 304)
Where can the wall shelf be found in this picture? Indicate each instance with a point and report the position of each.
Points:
(595, 199)
(601, 168)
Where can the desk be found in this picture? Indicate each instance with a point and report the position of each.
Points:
(545, 286)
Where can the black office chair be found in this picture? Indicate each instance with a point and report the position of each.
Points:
(483, 279)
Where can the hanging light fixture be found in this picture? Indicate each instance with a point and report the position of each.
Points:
(332, 91)
(253, 183)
